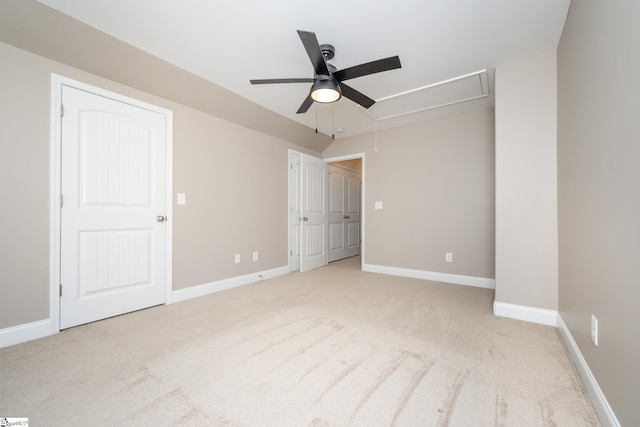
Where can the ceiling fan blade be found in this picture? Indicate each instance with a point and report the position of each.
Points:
(272, 81)
(372, 67)
(305, 105)
(312, 47)
(355, 96)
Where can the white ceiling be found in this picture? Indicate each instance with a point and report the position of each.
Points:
(444, 46)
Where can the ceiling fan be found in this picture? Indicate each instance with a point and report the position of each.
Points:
(327, 82)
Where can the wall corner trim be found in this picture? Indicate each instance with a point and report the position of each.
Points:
(25, 332)
(456, 279)
(221, 285)
(600, 403)
(523, 312)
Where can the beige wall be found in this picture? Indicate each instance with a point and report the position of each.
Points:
(235, 180)
(24, 185)
(526, 202)
(236, 183)
(599, 192)
(436, 182)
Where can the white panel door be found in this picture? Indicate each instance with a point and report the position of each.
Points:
(112, 220)
(337, 214)
(352, 202)
(344, 213)
(313, 227)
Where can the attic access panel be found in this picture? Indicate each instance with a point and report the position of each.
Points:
(460, 89)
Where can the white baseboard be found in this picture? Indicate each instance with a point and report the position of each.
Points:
(221, 285)
(23, 333)
(42, 328)
(528, 314)
(600, 403)
(456, 279)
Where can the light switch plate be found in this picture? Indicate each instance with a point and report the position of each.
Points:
(182, 199)
(378, 205)
(594, 329)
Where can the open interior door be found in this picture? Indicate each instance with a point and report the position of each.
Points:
(314, 231)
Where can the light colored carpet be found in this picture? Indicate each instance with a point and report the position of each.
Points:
(331, 347)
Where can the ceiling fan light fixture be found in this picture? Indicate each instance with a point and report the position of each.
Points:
(328, 81)
(326, 90)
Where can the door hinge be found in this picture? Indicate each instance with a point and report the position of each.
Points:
(61, 110)
(60, 289)
(291, 253)
(61, 201)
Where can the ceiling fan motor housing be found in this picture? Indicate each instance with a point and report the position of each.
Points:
(328, 51)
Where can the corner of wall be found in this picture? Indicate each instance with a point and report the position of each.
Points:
(526, 208)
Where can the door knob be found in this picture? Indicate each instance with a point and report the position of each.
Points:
(161, 218)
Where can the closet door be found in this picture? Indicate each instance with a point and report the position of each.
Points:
(344, 213)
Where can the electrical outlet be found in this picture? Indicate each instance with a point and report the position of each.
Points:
(255, 255)
(237, 258)
(594, 329)
(448, 257)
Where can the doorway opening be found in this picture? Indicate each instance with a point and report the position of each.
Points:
(350, 170)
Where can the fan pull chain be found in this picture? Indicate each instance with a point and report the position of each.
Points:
(333, 122)
(316, 116)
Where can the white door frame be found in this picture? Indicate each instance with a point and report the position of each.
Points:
(57, 82)
(363, 203)
(293, 213)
